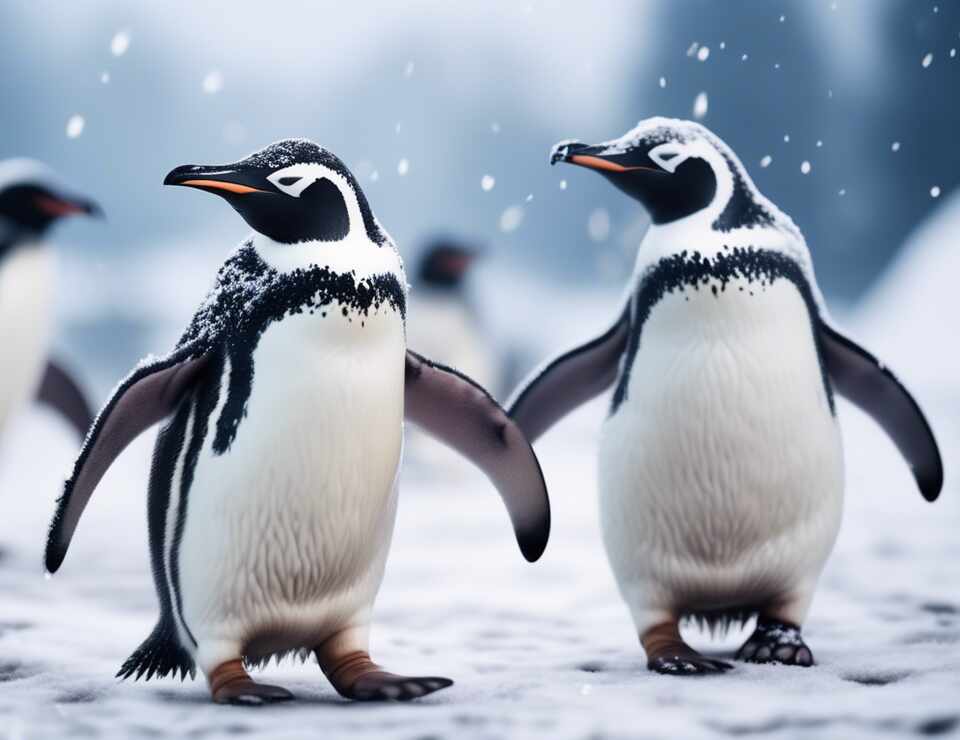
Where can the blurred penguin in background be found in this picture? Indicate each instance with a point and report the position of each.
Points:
(31, 203)
(442, 318)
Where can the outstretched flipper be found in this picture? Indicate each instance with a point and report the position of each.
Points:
(460, 413)
(61, 392)
(862, 379)
(570, 380)
(147, 396)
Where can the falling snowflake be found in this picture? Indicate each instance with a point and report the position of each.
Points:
(842, 192)
(403, 167)
(213, 82)
(104, 77)
(598, 224)
(120, 43)
(927, 60)
(487, 182)
(693, 48)
(805, 167)
(495, 127)
(819, 143)
(895, 146)
(723, 45)
(75, 126)
(786, 138)
(744, 58)
(663, 82)
(935, 192)
(953, 53)
(700, 105)
(765, 162)
(704, 53)
(374, 176)
(511, 218)
(408, 70)
(529, 198)
(563, 184)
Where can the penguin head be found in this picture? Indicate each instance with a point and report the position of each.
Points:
(291, 191)
(675, 169)
(445, 264)
(31, 201)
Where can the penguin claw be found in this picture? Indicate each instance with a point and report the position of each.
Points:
(776, 642)
(251, 694)
(688, 665)
(382, 686)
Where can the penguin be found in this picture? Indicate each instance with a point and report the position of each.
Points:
(443, 323)
(273, 488)
(720, 467)
(31, 203)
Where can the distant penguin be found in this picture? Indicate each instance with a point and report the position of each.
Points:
(720, 463)
(30, 204)
(442, 322)
(272, 494)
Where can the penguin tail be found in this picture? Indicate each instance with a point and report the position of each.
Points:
(160, 655)
(720, 621)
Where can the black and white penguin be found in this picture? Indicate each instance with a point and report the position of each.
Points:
(720, 464)
(272, 494)
(442, 321)
(31, 202)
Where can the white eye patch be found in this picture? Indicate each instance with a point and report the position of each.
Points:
(293, 180)
(669, 156)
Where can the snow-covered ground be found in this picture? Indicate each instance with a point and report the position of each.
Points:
(543, 650)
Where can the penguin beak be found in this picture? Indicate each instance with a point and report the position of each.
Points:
(226, 180)
(59, 206)
(598, 158)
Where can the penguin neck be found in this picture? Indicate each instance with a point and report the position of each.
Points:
(356, 254)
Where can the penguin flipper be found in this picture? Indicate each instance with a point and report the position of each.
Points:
(61, 392)
(570, 380)
(456, 410)
(148, 395)
(862, 379)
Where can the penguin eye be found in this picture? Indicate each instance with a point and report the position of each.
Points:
(667, 156)
(287, 181)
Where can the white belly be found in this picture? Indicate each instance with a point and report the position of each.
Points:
(287, 533)
(721, 474)
(26, 295)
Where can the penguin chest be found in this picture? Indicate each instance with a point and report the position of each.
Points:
(26, 295)
(289, 528)
(721, 469)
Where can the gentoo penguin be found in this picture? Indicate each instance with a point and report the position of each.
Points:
(442, 321)
(272, 493)
(31, 202)
(720, 463)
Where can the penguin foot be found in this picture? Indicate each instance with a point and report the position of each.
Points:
(356, 677)
(667, 653)
(383, 686)
(776, 642)
(231, 684)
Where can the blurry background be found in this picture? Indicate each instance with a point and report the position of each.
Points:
(446, 113)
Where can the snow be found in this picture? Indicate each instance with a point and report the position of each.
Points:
(213, 82)
(700, 105)
(75, 126)
(703, 54)
(511, 218)
(895, 146)
(403, 166)
(805, 167)
(598, 224)
(487, 182)
(120, 43)
(766, 161)
(927, 60)
(935, 191)
(663, 82)
(543, 650)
